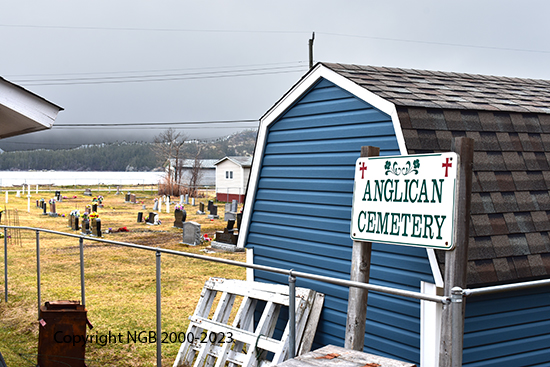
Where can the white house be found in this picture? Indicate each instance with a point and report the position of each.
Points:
(232, 178)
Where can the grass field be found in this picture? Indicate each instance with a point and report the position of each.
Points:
(120, 282)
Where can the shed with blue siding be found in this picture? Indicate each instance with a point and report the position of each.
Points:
(298, 208)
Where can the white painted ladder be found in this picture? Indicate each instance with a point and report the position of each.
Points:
(212, 342)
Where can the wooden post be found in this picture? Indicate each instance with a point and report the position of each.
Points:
(456, 261)
(360, 271)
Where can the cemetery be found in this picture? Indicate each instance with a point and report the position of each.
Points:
(128, 306)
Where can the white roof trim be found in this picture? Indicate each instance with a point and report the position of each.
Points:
(303, 85)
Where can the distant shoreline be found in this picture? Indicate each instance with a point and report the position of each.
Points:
(79, 178)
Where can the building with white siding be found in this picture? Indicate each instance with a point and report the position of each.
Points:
(232, 178)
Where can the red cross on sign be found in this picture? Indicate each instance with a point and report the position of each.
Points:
(447, 165)
(363, 168)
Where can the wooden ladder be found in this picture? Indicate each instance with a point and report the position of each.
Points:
(212, 342)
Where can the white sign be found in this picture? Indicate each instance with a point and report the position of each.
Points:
(405, 200)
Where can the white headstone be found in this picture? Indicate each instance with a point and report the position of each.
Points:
(18, 195)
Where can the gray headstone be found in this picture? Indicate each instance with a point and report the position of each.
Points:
(187, 199)
(156, 206)
(193, 201)
(234, 206)
(192, 233)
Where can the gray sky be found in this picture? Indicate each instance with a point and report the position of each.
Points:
(138, 62)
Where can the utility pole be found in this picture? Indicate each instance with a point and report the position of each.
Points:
(311, 50)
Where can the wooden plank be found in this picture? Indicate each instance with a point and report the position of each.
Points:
(342, 357)
(360, 272)
(312, 322)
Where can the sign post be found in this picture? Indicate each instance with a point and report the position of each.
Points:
(360, 272)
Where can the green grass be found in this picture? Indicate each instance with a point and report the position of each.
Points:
(120, 281)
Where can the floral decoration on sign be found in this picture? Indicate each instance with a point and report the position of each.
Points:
(396, 170)
(179, 207)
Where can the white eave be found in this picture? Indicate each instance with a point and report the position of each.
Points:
(22, 111)
(318, 72)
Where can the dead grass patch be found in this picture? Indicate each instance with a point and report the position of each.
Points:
(120, 281)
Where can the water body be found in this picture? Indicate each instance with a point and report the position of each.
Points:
(15, 178)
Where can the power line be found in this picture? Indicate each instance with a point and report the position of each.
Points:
(155, 79)
(435, 43)
(157, 124)
(151, 29)
(300, 62)
(163, 76)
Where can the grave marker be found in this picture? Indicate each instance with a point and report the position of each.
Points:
(191, 233)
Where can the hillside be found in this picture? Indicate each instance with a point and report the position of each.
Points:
(122, 156)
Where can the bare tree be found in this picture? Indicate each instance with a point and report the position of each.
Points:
(169, 150)
(196, 174)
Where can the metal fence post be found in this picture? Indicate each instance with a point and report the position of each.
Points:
(292, 313)
(6, 263)
(38, 270)
(457, 326)
(159, 325)
(82, 286)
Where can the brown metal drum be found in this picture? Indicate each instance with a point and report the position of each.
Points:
(62, 334)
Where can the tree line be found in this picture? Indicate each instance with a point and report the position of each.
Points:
(136, 156)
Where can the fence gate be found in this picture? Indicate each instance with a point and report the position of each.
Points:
(212, 339)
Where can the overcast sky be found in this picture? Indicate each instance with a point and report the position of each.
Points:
(141, 62)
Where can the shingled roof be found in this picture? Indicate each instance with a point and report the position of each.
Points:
(509, 120)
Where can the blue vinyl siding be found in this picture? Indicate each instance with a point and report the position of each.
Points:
(509, 329)
(302, 211)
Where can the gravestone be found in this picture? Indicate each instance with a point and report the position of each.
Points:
(44, 208)
(210, 203)
(227, 239)
(18, 194)
(229, 213)
(214, 213)
(187, 199)
(74, 222)
(179, 218)
(38, 203)
(127, 197)
(133, 198)
(140, 217)
(53, 211)
(94, 207)
(96, 227)
(201, 209)
(117, 190)
(85, 226)
(181, 199)
(193, 201)
(88, 192)
(156, 205)
(239, 219)
(234, 205)
(58, 195)
(153, 219)
(191, 233)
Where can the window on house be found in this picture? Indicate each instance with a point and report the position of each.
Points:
(229, 175)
